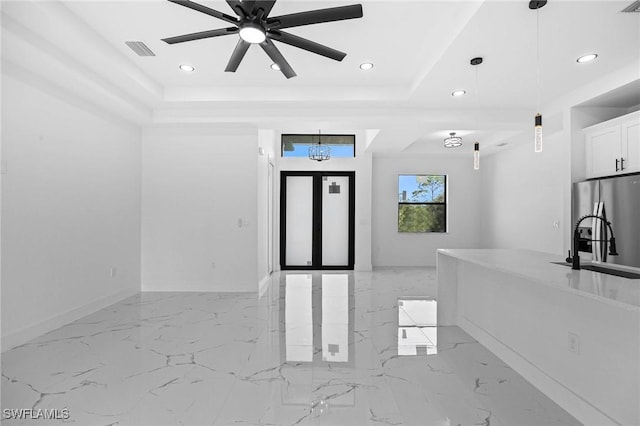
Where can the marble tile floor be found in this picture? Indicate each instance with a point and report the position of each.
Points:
(331, 348)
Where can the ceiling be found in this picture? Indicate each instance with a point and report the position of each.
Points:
(420, 50)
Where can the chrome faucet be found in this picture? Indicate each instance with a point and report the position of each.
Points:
(575, 260)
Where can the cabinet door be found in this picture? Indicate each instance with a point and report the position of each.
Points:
(603, 149)
(630, 139)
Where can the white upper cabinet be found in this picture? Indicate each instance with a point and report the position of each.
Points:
(630, 142)
(603, 151)
(613, 147)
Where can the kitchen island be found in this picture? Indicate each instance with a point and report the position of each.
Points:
(573, 334)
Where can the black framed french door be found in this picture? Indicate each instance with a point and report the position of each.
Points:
(317, 220)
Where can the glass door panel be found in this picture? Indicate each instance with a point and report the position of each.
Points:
(299, 224)
(335, 220)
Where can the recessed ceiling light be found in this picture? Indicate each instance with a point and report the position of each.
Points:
(587, 58)
(275, 67)
(366, 66)
(187, 68)
(458, 93)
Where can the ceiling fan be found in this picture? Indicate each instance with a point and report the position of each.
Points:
(256, 27)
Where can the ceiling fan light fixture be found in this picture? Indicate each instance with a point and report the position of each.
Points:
(186, 68)
(252, 33)
(452, 141)
(587, 58)
(255, 25)
(365, 66)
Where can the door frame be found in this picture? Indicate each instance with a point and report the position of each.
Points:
(317, 220)
(271, 170)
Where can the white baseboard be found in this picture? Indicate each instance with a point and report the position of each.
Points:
(573, 403)
(200, 286)
(363, 268)
(26, 334)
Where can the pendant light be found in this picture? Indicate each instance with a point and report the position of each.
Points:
(537, 128)
(476, 146)
(476, 156)
(452, 141)
(319, 152)
(537, 133)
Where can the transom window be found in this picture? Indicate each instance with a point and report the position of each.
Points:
(295, 145)
(422, 203)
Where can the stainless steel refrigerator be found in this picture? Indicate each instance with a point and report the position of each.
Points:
(618, 200)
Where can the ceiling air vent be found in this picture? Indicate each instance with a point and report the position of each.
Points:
(632, 8)
(140, 48)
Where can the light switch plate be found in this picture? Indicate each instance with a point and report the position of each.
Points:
(574, 343)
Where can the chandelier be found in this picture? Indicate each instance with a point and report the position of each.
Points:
(319, 152)
(452, 141)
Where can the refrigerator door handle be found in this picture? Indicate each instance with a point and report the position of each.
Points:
(596, 232)
(595, 247)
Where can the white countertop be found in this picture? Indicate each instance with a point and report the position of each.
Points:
(537, 266)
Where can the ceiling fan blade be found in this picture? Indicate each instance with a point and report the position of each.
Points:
(237, 55)
(206, 10)
(200, 35)
(316, 16)
(277, 57)
(265, 5)
(308, 45)
(235, 4)
(250, 8)
(248, 5)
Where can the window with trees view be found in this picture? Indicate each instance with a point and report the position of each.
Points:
(422, 203)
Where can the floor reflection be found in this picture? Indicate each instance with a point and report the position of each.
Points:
(298, 318)
(336, 327)
(417, 327)
(317, 319)
(318, 322)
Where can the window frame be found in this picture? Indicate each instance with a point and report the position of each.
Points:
(283, 135)
(422, 203)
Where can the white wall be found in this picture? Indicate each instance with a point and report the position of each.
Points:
(199, 209)
(523, 195)
(70, 209)
(362, 166)
(393, 248)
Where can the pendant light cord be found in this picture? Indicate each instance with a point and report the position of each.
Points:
(538, 57)
(477, 103)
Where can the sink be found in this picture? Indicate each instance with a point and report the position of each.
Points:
(608, 271)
